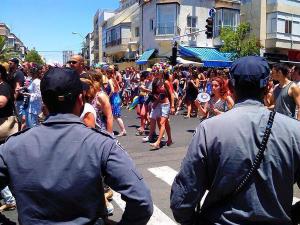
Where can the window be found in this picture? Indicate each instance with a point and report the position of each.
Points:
(192, 21)
(151, 24)
(137, 31)
(288, 27)
(166, 19)
(273, 25)
(225, 18)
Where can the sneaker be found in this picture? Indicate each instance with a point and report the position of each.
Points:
(146, 139)
(150, 139)
(7, 207)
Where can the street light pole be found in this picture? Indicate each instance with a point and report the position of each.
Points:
(83, 42)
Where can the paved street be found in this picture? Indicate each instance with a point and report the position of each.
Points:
(158, 167)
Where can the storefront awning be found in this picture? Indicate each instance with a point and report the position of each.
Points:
(145, 57)
(209, 56)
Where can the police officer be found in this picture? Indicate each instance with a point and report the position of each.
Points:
(223, 150)
(55, 170)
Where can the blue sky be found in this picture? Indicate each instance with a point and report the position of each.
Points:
(47, 25)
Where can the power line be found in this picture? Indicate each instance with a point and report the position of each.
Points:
(58, 51)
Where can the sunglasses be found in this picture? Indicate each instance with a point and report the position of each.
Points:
(73, 62)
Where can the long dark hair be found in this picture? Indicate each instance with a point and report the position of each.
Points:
(3, 73)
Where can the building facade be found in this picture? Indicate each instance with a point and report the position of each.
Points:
(99, 34)
(276, 23)
(13, 42)
(184, 21)
(121, 33)
(87, 50)
(67, 56)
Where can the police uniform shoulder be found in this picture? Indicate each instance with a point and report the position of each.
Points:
(17, 134)
(105, 133)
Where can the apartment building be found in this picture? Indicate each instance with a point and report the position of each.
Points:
(183, 21)
(99, 34)
(276, 23)
(12, 41)
(122, 33)
(87, 50)
(67, 56)
(4, 30)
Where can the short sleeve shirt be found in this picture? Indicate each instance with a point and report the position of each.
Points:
(6, 91)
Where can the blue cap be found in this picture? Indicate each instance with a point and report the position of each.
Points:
(250, 68)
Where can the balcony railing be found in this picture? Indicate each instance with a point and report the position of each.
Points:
(167, 30)
(120, 41)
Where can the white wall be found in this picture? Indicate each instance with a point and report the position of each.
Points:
(199, 9)
(146, 14)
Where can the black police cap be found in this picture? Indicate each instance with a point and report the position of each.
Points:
(62, 84)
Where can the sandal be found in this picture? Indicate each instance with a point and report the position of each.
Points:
(154, 146)
(122, 134)
(139, 133)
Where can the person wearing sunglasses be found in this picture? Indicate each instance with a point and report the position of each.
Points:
(77, 63)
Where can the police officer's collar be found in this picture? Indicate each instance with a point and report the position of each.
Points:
(248, 102)
(62, 118)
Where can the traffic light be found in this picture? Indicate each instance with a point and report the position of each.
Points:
(174, 54)
(209, 28)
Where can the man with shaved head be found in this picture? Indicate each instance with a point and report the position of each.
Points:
(77, 63)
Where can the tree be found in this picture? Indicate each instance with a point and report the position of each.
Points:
(6, 52)
(240, 41)
(34, 56)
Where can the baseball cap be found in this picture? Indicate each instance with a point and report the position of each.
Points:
(254, 69)
(14, 60)
(62, 84)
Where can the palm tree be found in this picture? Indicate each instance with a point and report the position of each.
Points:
(5, 52)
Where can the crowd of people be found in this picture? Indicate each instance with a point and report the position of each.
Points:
(154, 94)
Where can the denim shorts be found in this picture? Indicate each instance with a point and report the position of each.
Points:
(161, 110)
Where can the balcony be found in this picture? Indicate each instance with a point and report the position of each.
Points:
(118, 45)
(167, 30)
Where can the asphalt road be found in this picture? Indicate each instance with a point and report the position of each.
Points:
(157, 167)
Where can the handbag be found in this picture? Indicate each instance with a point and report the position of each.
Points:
(201, 212)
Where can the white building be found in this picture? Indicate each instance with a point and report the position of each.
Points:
(184, 21)
(88, 54)
(99, 34)
(67, 56)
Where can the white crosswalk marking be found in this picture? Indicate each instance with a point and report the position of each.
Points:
(164, 173)
(158, 216)
(167, 174)
(295, 200)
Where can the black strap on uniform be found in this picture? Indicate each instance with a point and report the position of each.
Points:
(200, 213)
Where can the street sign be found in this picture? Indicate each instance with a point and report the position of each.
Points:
(212, 12)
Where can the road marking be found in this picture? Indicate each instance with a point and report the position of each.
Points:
(295, 200)
(165, 173)
(158, 216)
